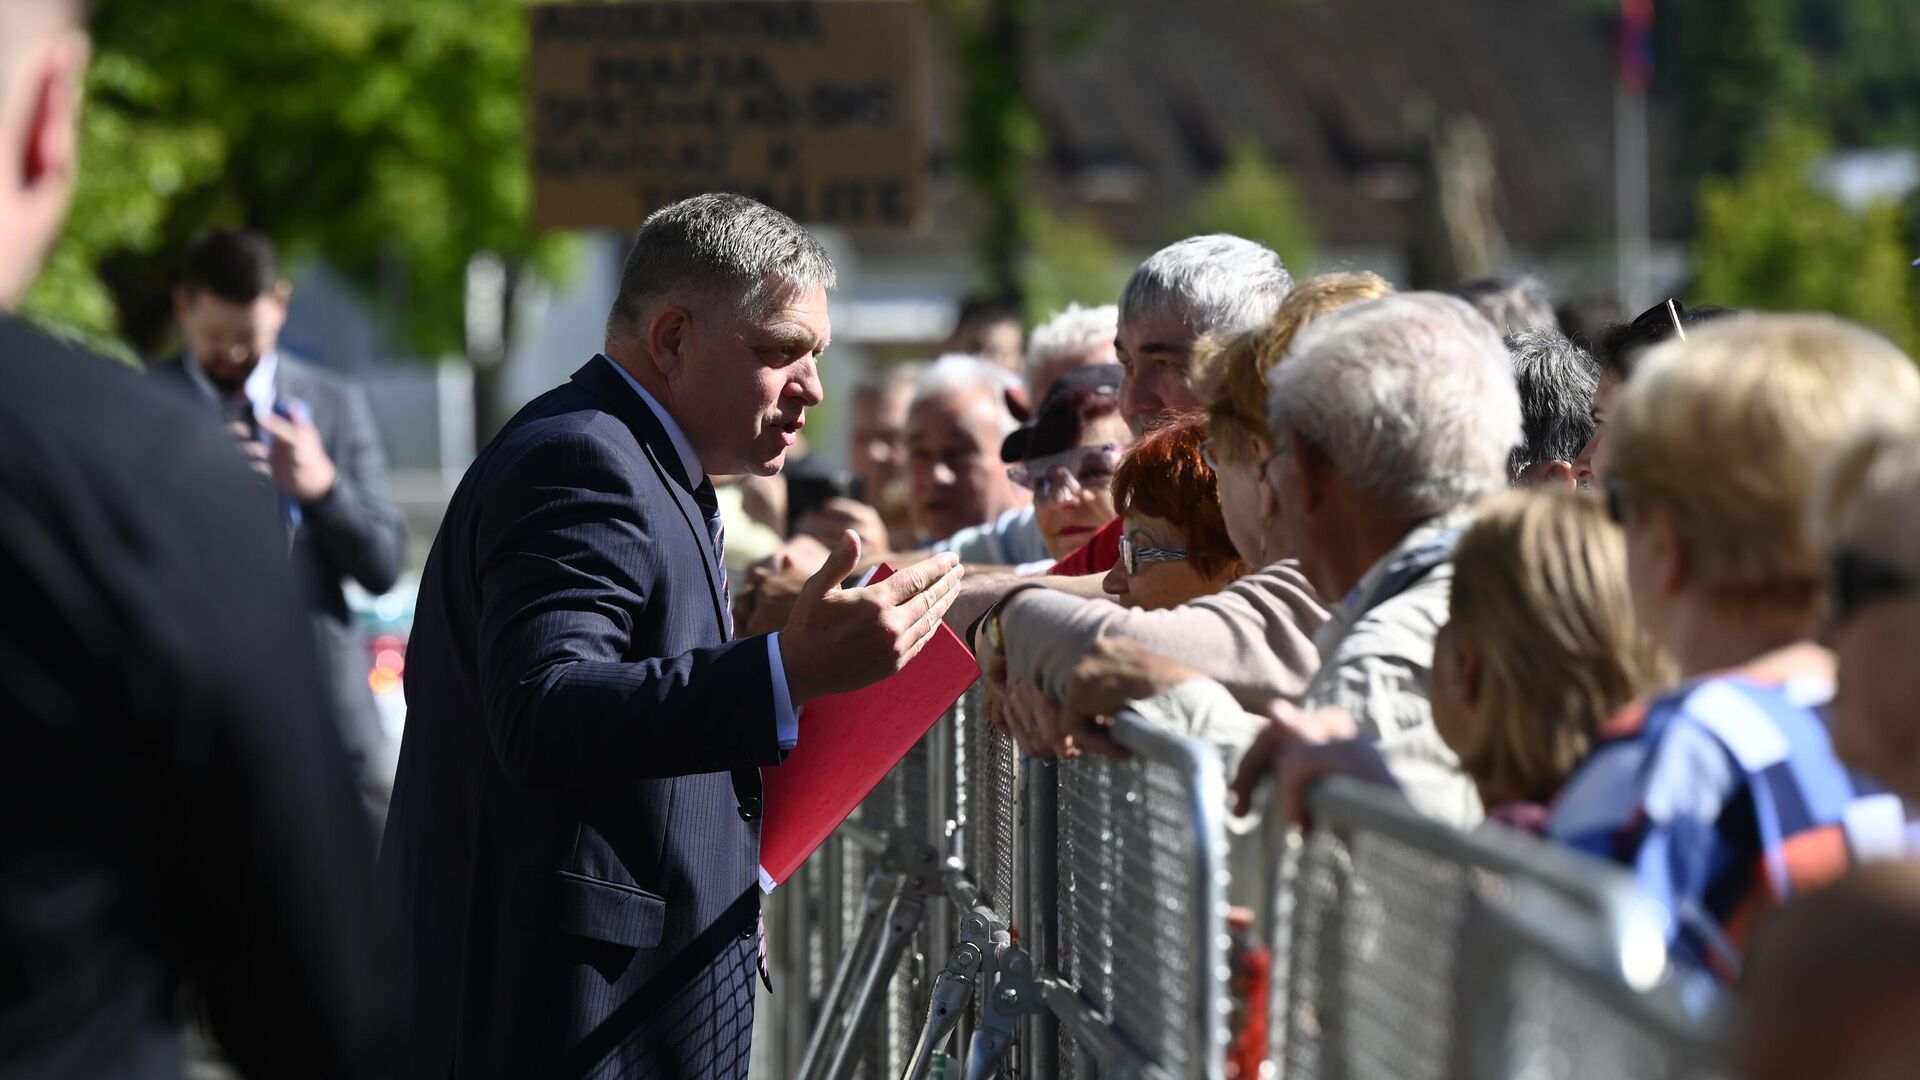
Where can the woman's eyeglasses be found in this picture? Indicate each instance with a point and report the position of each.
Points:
(1070, 471)
(1132, 555)
(1618, 507)
(1857, 579)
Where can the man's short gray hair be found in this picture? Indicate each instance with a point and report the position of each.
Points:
(1511, 304)
(958, 375)
(716, 245)
(1219, 284)
(1410, 397)
(1556, 380)
(1071, 332)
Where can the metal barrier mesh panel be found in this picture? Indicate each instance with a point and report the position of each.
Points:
(1562, 1026)
(1377, 934)
(990, 792)
(1130, 872)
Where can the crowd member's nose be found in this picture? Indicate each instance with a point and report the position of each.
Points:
(944, 474)
(1115, 583)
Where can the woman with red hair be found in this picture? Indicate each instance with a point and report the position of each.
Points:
(1173, 542)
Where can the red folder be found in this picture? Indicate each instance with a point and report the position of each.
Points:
(848, 742)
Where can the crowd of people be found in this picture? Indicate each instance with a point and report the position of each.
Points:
(1645, 589)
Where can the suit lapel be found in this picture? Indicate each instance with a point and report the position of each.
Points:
(599, 379)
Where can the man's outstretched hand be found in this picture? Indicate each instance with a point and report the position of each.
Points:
(843, 639)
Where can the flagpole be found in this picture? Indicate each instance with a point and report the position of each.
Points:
(1632, 196)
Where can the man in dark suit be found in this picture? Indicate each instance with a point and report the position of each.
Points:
(575, 824)
(308, 431)
(174, 804)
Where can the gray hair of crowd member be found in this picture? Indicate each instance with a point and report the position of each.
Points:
(1556, 380)
(957, 374)
(1217, 284)
(716, 245)
(1410, 398)
(1070, 332)
(1510, 304)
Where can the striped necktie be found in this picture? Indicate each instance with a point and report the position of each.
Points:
(709, 503)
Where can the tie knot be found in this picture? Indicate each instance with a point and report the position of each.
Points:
(707, 499)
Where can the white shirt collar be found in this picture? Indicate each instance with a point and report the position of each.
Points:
(689, 460)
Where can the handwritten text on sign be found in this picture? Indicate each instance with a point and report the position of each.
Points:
(813, 107)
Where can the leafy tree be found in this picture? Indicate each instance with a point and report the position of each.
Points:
(1254, 198)
(388, 139)
(1072, 260)
(1770, 238)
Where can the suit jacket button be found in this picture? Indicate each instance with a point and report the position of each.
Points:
(749, 808)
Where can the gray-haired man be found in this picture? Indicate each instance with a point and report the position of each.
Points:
(575, 824)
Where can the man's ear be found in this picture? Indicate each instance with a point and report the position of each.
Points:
(1557, 475)
(1469, 672)
(53, 115)
(667, 340)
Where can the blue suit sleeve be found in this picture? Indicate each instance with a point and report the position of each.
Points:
(569, 563)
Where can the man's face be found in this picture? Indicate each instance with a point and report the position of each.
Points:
(228, 337)
(954, 474)
(1590, 468)
(745, 382)
(998, 343)
(1157, 353)
(879, 436)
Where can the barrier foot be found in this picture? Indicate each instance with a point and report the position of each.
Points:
(968, 964)
(882, 886)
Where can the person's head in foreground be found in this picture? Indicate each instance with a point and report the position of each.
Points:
(1231, 377)
(1539, 649)
(955, 425)
(231, 304)
(1619, 349)
(1556, 380)
(1216, 285)
(1717, 443)
(43, 64)
(1834, 983)
(722, 316)
(1735, 800)
(1174, 545)
(1076, 337)
(1868, 510)
(1384, 416)
(1068, 455)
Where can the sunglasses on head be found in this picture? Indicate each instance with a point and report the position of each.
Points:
(1071, 471)
(1660, 318)
(1856, 579)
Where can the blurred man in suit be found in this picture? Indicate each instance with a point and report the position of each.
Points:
(310, 432)
(575, 825)
(174, 805)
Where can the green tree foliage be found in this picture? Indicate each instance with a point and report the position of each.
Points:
(1072, 260)
(1254, 198)
(1770, 238)
(387, 138)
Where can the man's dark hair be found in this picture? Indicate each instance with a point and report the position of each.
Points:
(236, 265)
(981, 309)
(1621, 345)
(1556, 380)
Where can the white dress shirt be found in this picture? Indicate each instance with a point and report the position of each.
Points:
(786, 721)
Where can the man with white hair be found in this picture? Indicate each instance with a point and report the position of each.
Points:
(955, 481)
(1074, 338)
(1390, 420)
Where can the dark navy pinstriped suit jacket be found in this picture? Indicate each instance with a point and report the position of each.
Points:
(567, 840)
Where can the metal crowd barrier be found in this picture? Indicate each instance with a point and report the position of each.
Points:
(1416, 950)
(1039, 920)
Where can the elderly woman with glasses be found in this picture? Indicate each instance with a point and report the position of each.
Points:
(1068, 454)
(1724, 794)
(1174, 545)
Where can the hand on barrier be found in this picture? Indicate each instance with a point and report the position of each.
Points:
(1306, 766)
(840, 639)
(1035, 721)
(1288, 729)
(1112, 673)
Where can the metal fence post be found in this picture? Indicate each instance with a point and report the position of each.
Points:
(1036, 908)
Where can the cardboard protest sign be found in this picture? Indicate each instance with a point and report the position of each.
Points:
(816, 107)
